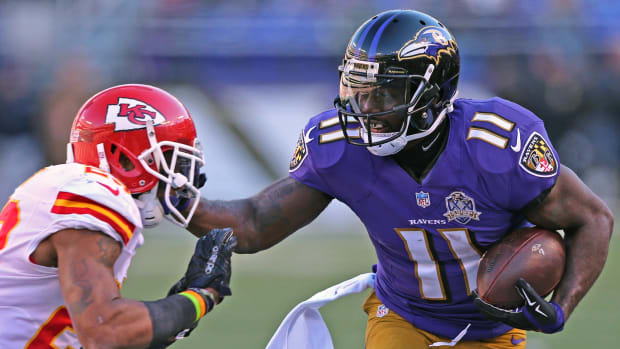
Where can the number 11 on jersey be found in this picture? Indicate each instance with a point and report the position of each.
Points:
(426, 266)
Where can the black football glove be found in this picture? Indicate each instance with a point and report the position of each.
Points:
(535, 315)
(210, 264)
(208, 267)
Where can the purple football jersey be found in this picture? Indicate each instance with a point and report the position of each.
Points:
(429, 236)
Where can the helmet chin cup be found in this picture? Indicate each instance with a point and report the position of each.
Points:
(390, 148)
(150, 208)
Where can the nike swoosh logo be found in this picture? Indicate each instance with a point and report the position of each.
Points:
(540, 311)
(307, 135)
(517, 146)
(527, 299)
(113, 191)
(516, 341)
(431, 143)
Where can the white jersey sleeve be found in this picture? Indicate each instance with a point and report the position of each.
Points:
(95, 201)
(68, 196)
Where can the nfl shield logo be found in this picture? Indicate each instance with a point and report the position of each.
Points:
(423, 199)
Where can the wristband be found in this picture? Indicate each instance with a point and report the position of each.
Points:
(203, 301)
(200, 305)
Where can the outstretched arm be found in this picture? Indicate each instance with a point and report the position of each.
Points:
(264, 219)
(587, 223)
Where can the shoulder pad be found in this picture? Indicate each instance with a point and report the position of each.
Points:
(96, 198)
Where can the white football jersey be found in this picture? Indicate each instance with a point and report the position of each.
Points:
(32, 310)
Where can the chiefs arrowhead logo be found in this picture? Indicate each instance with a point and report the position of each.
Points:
(131, 114)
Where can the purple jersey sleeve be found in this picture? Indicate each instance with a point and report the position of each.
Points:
(302, 166)
(323, 160)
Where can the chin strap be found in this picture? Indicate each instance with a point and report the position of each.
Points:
(151, 210)
(390, 148)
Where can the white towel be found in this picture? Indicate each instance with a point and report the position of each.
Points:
(304, 327)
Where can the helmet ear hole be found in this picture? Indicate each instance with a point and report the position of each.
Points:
(125, 162)
(123, 159)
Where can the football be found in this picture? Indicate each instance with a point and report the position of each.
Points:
(534, 254)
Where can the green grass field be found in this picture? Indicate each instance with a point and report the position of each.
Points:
(267, 285)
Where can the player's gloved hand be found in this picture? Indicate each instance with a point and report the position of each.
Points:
(536, 314)
(210, 265)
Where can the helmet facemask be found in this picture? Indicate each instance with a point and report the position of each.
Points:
(392, 108)
(177, 166)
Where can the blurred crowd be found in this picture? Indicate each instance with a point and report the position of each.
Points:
(559, 58)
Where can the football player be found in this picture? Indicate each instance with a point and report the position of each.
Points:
(436, 180)
(69, 233)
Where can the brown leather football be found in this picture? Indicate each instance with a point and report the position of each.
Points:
(535, 254)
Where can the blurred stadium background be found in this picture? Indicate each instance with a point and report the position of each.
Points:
(252, 72)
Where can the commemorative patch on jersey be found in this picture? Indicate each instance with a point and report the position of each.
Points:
(461, 208)
(423, 199)
(537, 158)
(131, 114)
(300, 153)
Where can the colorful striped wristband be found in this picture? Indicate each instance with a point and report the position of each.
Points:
(199, 302)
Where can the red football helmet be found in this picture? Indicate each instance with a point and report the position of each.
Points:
(125, 130)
